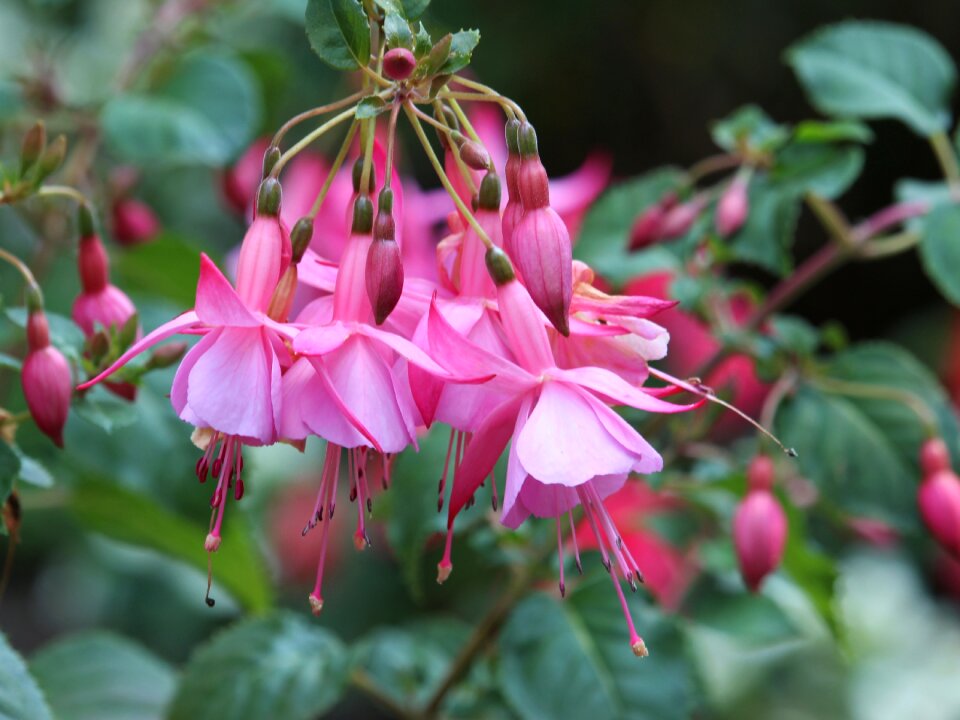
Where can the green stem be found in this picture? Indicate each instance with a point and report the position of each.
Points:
(334, 169)
(946, 156)
(455, 149)
(489, 92)
(312, 113)
(464, 120)
(368, 135)
(391, 141)
(309, 138)
(61, 191)
(444, 180)
(20, 266)
(891, 245)
(831, 218)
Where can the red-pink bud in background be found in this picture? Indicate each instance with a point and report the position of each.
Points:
(265, 251)
(939, 501)
(398, 64)
(541, 241)
(99, 303)
(134, 222)
(733, 206)
(934, 456)
(759, 536)
(46, 380)
(647, 228)
(760, 473)
(876, 532)
(679, 219)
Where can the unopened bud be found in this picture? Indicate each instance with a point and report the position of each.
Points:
(358, 175)
(85, 222)
(282, 301)
(760, 473)
(759, 536)
(93, 264)
(733, 207)
(527, 140)
(270, 158)
(300, 237)
(475, 155)
(33, 144)
(543, 254)
(939, 501)
(399, 63)
(51, 159)
(680, 218)
(46, 380)
(384, 276)
(362, 216)
(511, 132)
(934, 456)
(489, 196)
(499, 266)
(167, 355)
(134, 222)
(269, 197)
(648, 228)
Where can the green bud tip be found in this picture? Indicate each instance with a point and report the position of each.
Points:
(52, 157)
(85, 223)
(362, 216)
(358, 174)
(300, 237)
(527, 139)
(268, 198)
(33, 144)
(489, 196)
(511, 130)
(270, 158)
(34, 298)
(385, 201)
(499, 267)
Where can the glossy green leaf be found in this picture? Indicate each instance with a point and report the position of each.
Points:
(825, 169)
(9, 470)
(204, 114)
(9, 362)
(413, 9)
(767, 235)
(392, 6)
(572, 659)
(462, 45)
(106, 411)
(606, 229)
(101, 676)
(137, 519)
(20, 697)
(339, 32)
(830, 131)
(422, 43)
(877, 70)
(370, 107)
(280, 666)
(166, 267)
(749, 127)
(397, 31)
(940, 250)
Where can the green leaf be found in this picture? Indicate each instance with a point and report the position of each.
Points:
(423, 43)
(101, 676)
(825, 169)
(940, 250)
(33, 473)
(571, 659)
(877, 70)
(9, 362)
(339, 32)
(606, 229)
(280, 666)
(167, 267)
(134, 518)
(767, 235)
(392, 6)
(205, 114)
(830, 131)
(371, 106)
(20, 698)
(9, 470)
(462, 45)
(413, 9)
(794, 334)
(397, 31)
(749, 127)
(106, 411)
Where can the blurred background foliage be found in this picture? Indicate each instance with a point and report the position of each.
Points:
(107, 581)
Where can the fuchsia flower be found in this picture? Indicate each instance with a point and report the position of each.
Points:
(759, 525)
(45, 379)
(100, 305)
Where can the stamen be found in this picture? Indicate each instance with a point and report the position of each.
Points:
(207, 599)
(563, 587)
(636, 642)
(494, 500)
(328, 489)
(585, 503)
(445, 566)
(446, 466)
(576, 547)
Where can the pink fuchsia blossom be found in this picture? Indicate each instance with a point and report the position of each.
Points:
(100, 305)
(939, 502)
(45, 379)
(733, 206)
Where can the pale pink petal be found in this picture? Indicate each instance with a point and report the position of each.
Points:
(179, 324)
(178, 391)
(512, 514)
(321, 340)
(230, 387)
(647, 459)
(317, 272)
(564, 442)
(550, 501)
(326, 414)
(638, 306)
(217, 301)
(295, 397)
(614, 388)
(594, 329)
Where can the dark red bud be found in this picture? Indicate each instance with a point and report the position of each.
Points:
(760, 473)
(399, 63)
(475, 155)
(939, 502)
(46, 380)
(134, 222)
(384, 277)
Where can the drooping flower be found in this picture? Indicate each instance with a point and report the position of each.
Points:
(100, 305)
(939, 496)
(45, 379)
(759, 526)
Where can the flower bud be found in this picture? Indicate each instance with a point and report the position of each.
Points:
(399, 63)
(92, 264)
(934, 456)
(475, 155)
(300, 238)
(358, 174)
(134, 222)
(384, 269)
(542, 253)
(268, 198)
(680, 218)
(939, 501)
(759, 536)
(270, 158)
(648, 227)
(733, 207)
(265, 247)
(34, 143)
(166, 355)
(51, 159)
(513, 211)
(760, 473)
(499, 267)
(45, 378)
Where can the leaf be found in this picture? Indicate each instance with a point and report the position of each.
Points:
(370, 106)
(205, 114)
(572, 659)
(423, 43)
(33, 473)
(767, 235)
(106, 411)
(606, 229)
(825, 169)
(940, 250)
(279, 666)
(9, 362)
(9, 470)
(876, 70)
(167, 267)
(20, 697)
(102, 676)
(413, 9)
(134, 518)
(819, 131)
(392, 6)
(748, 127)
(462, 45)
(339, 32)
(397, 31)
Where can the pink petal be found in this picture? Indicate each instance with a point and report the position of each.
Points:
(563, 441)
(647, 459)
(295, 396)
(613, 387)
(231, 388)
(179, 324)
(317, 341)
(513, 512)
(550, 501)
(217, 301)
(327, 415)
(317, 272)
(178, 391)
